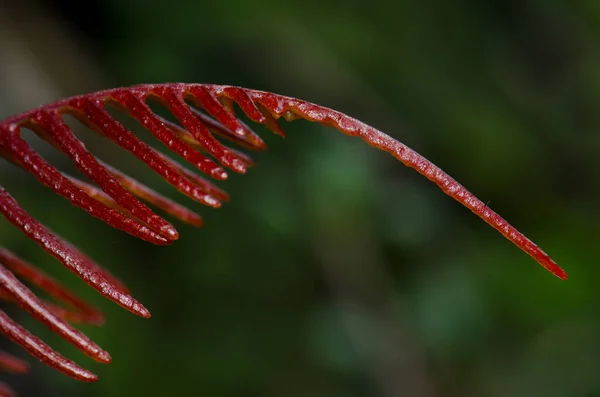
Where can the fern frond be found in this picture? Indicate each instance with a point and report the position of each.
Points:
(115, 197)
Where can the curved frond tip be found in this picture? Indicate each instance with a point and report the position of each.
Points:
(204, 112)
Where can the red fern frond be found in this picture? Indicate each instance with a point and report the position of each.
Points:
(116, 198)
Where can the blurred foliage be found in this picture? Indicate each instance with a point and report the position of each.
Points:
(335, 271)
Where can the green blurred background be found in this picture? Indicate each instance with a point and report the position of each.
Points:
(334, 270)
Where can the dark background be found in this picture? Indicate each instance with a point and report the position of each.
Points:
(336, 271)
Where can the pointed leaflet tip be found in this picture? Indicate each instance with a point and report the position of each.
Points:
(544, 260)
(169, 231)
(213, 202)
(140, 310)
(219, 173)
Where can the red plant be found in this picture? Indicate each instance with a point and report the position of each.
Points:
(115, 200)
